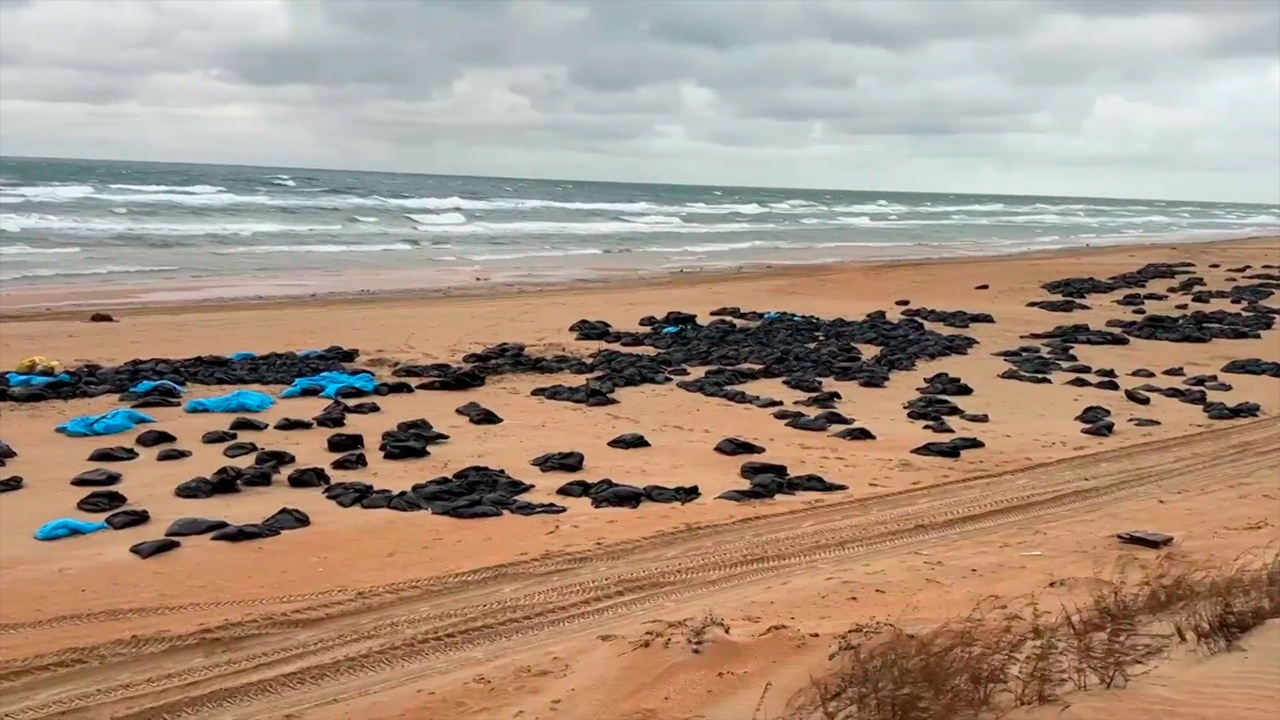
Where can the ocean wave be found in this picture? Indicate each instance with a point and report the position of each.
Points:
(28, 250)
(714, 247)
(192, 189)
(52, 193)
(508, 204)
(878, 207)
(699, 208)
(212, 196)
(980, 207)
(181, 196)
(1254, 219)
(701, 249)
(364, 219)
(450, 218)
(585, 228)
(103, 270)
(653, 219)
(546, 252)
(272, 249)
(218, 199)
(18, 222)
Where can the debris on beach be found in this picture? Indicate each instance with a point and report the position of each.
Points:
(950, 449)
(100, 501)
(151, 548)
(768, 480)
(215, 437)
(959, 319)
(629, 441)
(185, 527)
(239, 449)
(478, 414)
(608, 494)
(1144, 538)
(344, 442)
(98, 477)
(715, 357)
(270, 369)
(241, 424)
(152, 438)
(471, 493)
(118, 453)
(570, 461)
(123, 519)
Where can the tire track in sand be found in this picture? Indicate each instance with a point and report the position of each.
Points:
(413, 640)
(887, 507)
(339, 598)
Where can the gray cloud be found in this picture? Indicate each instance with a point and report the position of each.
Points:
(1130, 98)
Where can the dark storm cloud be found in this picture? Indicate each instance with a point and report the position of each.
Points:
(1178, 98)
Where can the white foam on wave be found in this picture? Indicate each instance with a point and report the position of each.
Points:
(792, 204)
(653, 219)
(449, 218)
(713, 247)
(282, 180)
(699, 208)
(545, 252)
(980, 207)
(51, 193)
(17, 222)
(364, 218)
(764, 245)
(28, 250)
(585, 228)
(454, 203)
(103, 270)
(272, 249)
(215, 199)
(499, 204)
(192, 189)
(878, 207)
(1254, 219)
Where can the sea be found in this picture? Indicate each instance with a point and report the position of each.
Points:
(71, 222)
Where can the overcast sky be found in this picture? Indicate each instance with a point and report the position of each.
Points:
(1081, 97)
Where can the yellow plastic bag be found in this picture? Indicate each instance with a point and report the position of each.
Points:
(39, 365)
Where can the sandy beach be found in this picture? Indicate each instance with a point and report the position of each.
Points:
(379, 615)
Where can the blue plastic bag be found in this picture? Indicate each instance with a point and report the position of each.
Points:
(108, 423)
(23, 380)
(238, 401)
(146, 385)
(244, 356)
(331, 382)
(66, 527)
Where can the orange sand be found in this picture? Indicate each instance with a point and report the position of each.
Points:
(353, 617)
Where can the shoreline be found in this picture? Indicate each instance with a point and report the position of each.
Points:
(27, 304)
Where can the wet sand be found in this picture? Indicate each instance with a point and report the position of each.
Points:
(356, 616)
